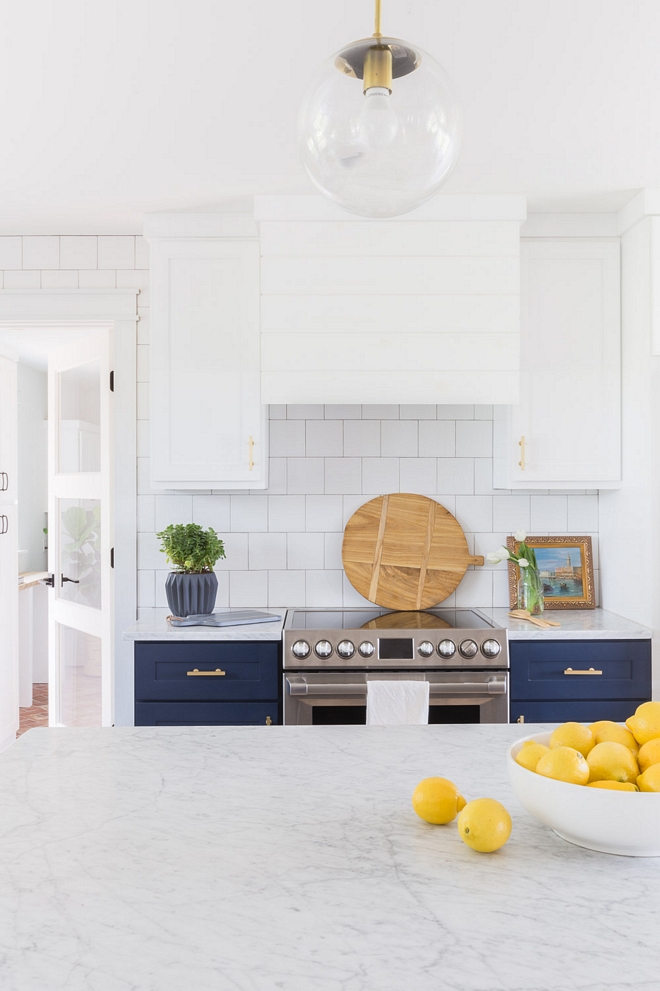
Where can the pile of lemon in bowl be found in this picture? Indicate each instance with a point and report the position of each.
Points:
(602, 755)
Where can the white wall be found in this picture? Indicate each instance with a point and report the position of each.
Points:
(32, 466)
(630, 516)
(283, 545)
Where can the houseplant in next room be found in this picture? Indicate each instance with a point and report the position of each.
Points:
(191, 587)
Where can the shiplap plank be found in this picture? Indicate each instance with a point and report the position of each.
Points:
(421, 386)
(394, 276)
(392, 238)
(370, 314)
(407, 350)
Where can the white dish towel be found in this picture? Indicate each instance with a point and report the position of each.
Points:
(396, 703)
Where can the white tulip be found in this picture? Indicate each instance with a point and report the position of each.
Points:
(493, 558)
(504, 554)
(522, 563)
(520, 535)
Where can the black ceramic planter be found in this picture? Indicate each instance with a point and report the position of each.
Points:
(191, 595)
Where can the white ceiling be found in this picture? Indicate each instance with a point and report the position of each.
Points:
(118, 107)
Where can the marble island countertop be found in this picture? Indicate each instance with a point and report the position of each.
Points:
(289, 859)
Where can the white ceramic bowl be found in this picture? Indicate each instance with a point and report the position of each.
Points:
(621, 822)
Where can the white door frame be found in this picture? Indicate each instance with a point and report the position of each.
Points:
(115, 309)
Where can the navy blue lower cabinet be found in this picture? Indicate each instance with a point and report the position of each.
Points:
(582, 680)
(208, 683)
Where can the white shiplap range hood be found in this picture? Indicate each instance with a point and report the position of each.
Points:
(422, 308)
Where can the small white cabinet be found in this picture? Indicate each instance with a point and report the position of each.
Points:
(566, 431)
(208, 426)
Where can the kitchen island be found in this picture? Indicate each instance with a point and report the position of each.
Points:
(256, 859)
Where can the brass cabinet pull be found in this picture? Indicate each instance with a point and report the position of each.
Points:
(269, 721)
(521, 445)
(590, 671)
(520, 719)
(250, 453)
(196, 673)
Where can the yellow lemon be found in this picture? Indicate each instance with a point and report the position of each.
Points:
(573, 735)
(650, 779)
(645, 724)
(564, 764)
(484, 824)
(649, 754)
(594, 727)
(529, 754)
(612, 762)
(614, 785)
(613, 733)
(437, 800)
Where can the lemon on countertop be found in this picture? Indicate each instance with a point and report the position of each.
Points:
(573, 735)
(645, 724)
(613, 733)
(484, 825)
(530, 753)
(649, 754)
(437, 800)
(650, 779)
(564, 764)
(612, 762)
(613, 785)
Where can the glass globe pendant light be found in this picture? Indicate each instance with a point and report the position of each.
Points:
(380, 129)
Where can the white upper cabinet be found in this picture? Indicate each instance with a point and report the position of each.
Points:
(208, 424)
(566, 431)
(423, 308)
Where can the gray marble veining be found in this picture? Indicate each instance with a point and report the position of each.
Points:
(154, 626)
(576, 624)
(289, 859)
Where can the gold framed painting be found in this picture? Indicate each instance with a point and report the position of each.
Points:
(566, 570)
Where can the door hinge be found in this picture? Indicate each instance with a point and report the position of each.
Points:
(112, 557)
(112, 380)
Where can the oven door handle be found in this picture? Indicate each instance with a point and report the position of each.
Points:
(299, 686)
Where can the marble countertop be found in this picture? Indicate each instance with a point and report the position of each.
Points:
(289, 859)
(576, 624)
(153, 625)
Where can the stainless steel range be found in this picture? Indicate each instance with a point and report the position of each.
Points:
(330, 655)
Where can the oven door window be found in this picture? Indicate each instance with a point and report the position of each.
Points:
(356, 715)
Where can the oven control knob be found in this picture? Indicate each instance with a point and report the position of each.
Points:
(323, 648)
(345, 648)
(366, 648)
(426, 648)
(490, 648)
(468, 648)
(301, 649)
(446, 648)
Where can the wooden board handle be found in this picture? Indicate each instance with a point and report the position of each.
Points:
(478, 560)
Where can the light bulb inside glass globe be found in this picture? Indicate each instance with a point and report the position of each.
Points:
(380, 129)
(378, 122)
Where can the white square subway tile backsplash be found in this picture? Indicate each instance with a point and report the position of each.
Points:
(284, 546)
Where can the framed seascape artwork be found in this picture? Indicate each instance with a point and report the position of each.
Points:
(565, 568)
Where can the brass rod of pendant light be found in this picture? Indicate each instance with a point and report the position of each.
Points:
(377, 33)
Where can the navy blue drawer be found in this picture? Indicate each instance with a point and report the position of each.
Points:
(251, 671)
(206, 713)
(538, 669)
(579, 712)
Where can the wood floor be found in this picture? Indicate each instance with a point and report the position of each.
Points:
(37, 713)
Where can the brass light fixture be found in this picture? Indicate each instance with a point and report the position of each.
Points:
(382, 148)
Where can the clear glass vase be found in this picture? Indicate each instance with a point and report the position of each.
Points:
(530, 591)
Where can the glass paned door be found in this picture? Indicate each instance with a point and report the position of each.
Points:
(80, 534)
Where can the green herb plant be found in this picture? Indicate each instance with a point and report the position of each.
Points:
(190, 548)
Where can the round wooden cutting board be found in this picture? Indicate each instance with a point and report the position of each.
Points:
(405, 551)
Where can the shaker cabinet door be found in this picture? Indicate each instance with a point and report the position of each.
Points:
(208, 427)
(565, 433)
